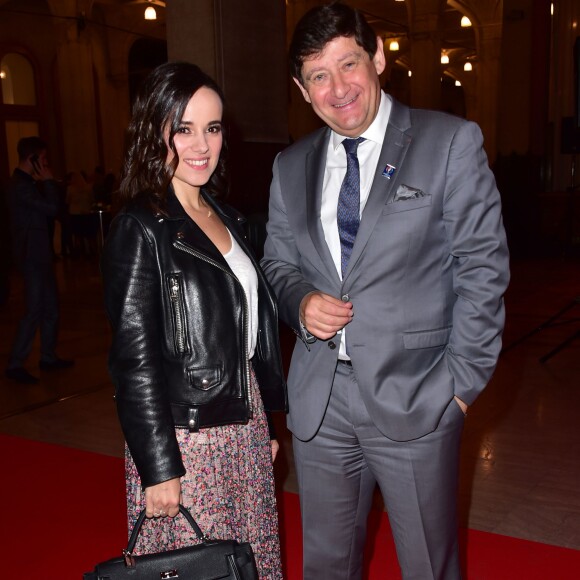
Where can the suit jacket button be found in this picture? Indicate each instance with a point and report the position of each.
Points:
(331, 345)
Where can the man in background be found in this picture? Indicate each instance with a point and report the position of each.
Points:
(33, 197)
(388, 255)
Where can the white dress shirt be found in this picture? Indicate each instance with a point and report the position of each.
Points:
(368, 153)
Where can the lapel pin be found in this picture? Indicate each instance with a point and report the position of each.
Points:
(388, 171)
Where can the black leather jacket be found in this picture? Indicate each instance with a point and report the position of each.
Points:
(179, 318)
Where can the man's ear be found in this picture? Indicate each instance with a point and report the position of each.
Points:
(302, 90)
(379, 59)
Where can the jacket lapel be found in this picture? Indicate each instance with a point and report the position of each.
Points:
(235, 221)
(185, 231)
(395, 146)
(315, 166)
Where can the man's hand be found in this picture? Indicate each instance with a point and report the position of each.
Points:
(323, 315)
(39, 167)
(45, 173)
(463, 406)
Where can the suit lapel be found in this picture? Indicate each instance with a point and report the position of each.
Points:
(315, 166)
(395, 146)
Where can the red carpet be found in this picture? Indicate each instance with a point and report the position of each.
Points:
(63, 510)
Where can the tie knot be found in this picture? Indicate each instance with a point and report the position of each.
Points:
(350, 145)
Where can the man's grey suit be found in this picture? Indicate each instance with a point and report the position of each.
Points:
(426, 275)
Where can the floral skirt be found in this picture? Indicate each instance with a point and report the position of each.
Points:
(228, 487)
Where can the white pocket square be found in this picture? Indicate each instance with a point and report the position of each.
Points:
(405, 192)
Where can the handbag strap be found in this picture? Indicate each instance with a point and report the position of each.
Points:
(137, 527)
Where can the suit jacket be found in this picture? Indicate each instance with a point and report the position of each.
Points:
(30, 207)
(426, 277)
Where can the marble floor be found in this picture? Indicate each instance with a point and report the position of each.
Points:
(520, 471)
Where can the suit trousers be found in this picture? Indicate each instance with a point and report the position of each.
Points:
(337, 472)
(41, 312)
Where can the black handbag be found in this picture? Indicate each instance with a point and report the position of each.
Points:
(210, 560)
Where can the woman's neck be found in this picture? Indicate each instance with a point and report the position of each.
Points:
(193, 202)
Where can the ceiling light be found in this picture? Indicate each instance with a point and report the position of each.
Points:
(467, 66)
(465, 22)
(150, 13)
(394, 46)
(410, 73)
(444, 58)
(2, 74)
(457, 83)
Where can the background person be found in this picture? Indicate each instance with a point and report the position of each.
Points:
(195, 353)
(83, 223)
(389, 260)
(33, 197)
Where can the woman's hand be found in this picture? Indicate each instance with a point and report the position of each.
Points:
(275, 447)
(163, 499)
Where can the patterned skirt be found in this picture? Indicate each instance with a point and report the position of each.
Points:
(228, 487)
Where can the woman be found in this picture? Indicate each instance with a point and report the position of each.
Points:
(195, 354)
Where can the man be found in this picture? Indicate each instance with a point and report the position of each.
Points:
(399, 318)
(30, 206)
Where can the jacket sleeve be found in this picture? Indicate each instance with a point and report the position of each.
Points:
(132, 290)
(473, 222)
(281, 261)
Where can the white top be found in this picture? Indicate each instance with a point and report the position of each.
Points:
(368, 153)
(245, 272)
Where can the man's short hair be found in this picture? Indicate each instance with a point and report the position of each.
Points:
(322, 24)
(28, 146)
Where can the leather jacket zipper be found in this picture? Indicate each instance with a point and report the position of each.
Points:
(174, 295)
(181, 246)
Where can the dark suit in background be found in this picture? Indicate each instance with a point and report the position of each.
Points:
(30, 205)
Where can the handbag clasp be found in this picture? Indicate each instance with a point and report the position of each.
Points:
(129, 559)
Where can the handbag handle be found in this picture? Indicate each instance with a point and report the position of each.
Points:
(137, 527)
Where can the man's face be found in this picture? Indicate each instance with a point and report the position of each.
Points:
(342, 85)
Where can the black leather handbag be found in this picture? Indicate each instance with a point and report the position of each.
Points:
(210, 560)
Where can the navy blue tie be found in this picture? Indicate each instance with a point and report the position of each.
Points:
(348, 211)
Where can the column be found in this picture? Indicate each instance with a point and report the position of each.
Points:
(74, 70)
(425, 54)
(242, 46)
(488, 75)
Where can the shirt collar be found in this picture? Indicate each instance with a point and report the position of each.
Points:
(377, 129)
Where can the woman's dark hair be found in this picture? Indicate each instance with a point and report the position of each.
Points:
(322, 24)
(158, 108)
